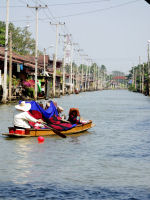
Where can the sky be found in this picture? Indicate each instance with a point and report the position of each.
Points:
(113, 33)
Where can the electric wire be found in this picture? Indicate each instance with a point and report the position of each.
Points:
(77, 3)
(62, 4)
(98, 10)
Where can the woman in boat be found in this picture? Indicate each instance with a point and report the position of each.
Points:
(23, 117)
(73, 116)
(60, 110)
(48, 104)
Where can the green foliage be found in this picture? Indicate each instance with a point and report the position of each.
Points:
(132, 88)
(138, 73)
(15, 81)
(74, 67)
(84, 68)
(58, 72)
(2, 33)
(30, 92)
(67, 69)
(21, 39)
(103, 69)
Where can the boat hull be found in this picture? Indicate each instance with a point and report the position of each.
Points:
(48, 132)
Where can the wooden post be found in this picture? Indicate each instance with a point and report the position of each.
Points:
(143, 78)
(148, 68)
(135, 74)
(54, 74)
(77, 78)
(4, 100)
(89, 78)
(132, 76)
(10, 67)
(63, 81)
(140, 74)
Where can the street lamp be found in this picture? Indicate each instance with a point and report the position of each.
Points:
(83, 56)
(45, 54)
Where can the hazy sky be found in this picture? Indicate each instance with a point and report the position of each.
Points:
(111, 32)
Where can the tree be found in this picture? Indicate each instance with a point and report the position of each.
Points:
(2, 33)
(21, 39)
(103, 68)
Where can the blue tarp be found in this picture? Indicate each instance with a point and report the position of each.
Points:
(51, 111)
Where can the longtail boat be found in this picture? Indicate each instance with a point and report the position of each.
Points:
(47, 132)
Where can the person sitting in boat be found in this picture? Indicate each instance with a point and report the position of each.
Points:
(60, 110)
(48, 104)
(23, 117)
(73, 116)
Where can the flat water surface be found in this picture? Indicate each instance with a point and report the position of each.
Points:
(111, 161)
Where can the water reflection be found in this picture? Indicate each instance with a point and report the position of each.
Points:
(115, 153)
(23, 164)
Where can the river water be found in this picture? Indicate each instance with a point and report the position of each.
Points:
(111, 161)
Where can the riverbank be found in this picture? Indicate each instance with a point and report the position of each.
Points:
(58, 95)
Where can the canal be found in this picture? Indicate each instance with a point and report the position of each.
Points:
(111, 161)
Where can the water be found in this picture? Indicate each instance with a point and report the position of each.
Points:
(111, 161)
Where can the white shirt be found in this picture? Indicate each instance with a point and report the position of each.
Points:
(22, 118)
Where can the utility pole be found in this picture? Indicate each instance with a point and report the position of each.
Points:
(82, 73)
(148, 67)
(6, 52)
(89, 74)
(89, 78)
(82, 65)
(135, 75)
(64, 69)
(143, 78)
(10, 66)
(71, 74)
(97, 78)
(64, 61)
(140, 73)
(55, 56)
(132, 76)
(63, 78)
(94, 77)
(86, 75)
(77, 78)
(44, 61)
(78, 74)
(36, 44)
(71, 68)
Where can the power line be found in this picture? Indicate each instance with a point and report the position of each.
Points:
(94, 11)
(99, 10)
(77, 3)
(60, 4)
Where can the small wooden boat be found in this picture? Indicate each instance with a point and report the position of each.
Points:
(48, 132)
